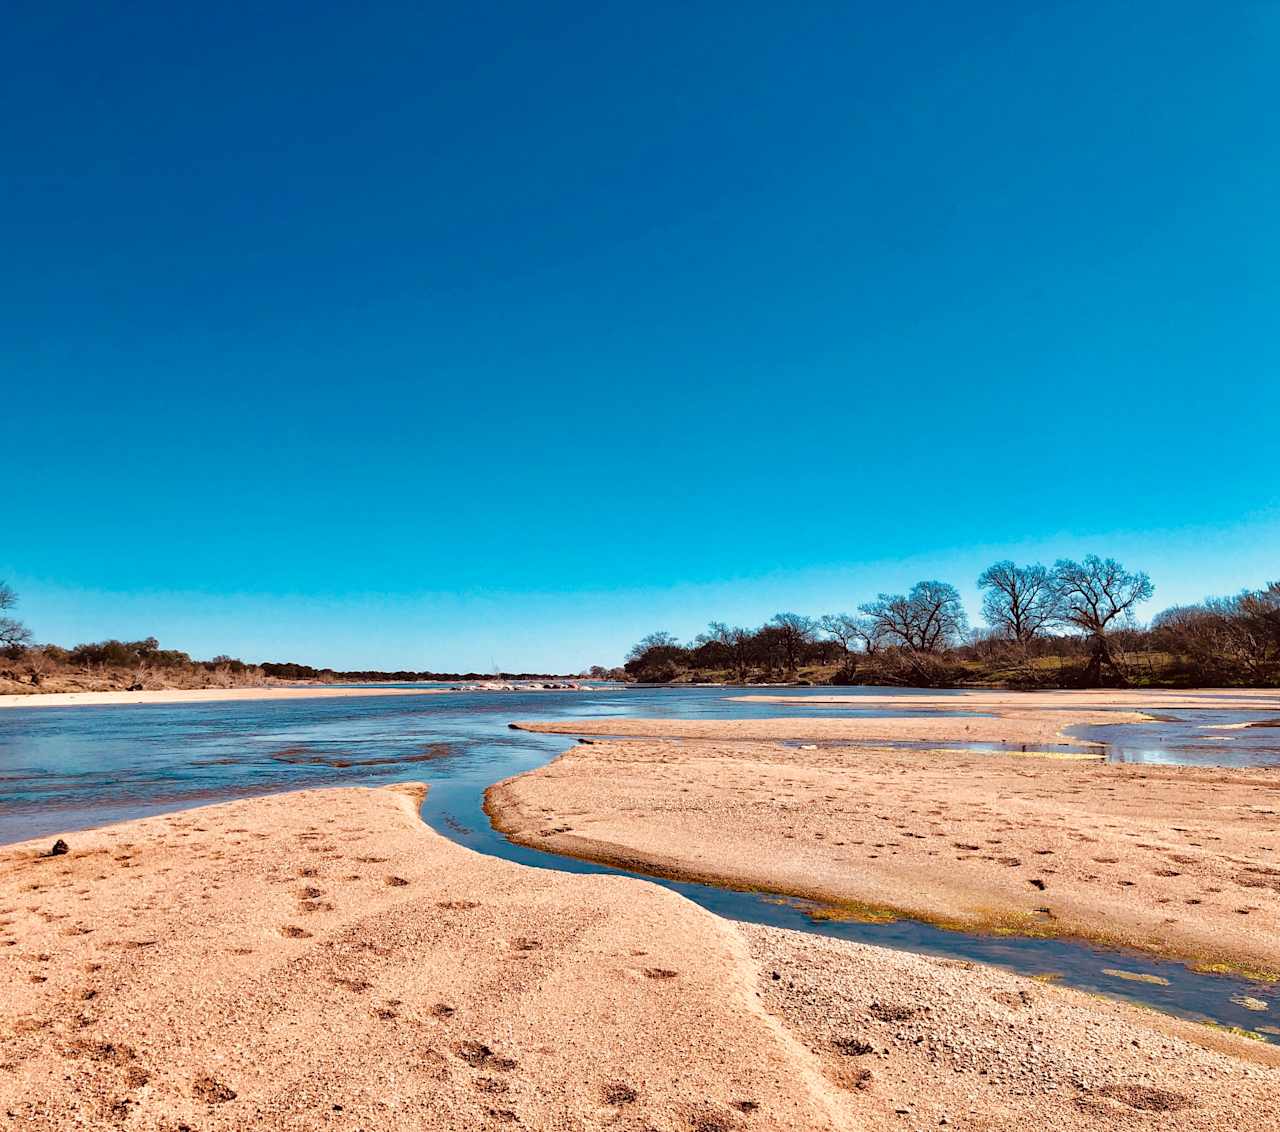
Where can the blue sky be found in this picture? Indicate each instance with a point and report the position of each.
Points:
(451, 339)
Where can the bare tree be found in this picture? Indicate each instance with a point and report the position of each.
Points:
(38, 662)
(735, 641)
(844, 629)
(929, 619)
(794, 633)
(1097, 595)
(13, 633)
(1260, 610)
(657, 658)
(871, 634)
(849, 630)
(1019, 602)
(1225, 638)
(654, 641)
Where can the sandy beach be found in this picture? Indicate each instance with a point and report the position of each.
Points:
(323, 960)
(1183, 862)
(200, 695)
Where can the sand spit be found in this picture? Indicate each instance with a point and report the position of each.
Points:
(1179, 861)
(322, 960)
(201, 695)
(1029, 727)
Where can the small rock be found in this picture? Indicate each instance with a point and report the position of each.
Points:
(59, 848)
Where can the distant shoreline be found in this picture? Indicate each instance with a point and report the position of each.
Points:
(198, 695)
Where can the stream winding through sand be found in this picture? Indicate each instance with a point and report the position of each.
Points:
(69, 768)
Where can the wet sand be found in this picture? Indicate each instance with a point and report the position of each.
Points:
(201, 695)
(322, 960)
(1182, 862)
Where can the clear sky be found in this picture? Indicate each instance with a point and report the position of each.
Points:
(471, 335)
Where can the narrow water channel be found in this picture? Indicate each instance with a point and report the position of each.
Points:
(64, 769)
(455, 808)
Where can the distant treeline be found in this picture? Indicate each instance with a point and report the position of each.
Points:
(144, 664)
(147, 656)
(1069, 625)
(1072, 624)
(118, 664)
(289, 671)
(137, 664)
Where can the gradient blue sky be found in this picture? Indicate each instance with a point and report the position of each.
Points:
(476, 335)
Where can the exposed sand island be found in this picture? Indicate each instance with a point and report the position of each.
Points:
(201, 695)
(1044, 726)
(322, 960)
(1180, 861)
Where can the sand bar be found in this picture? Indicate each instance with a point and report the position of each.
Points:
(1029, 727)
(322, 960)
(201, 695)
(1180, 861)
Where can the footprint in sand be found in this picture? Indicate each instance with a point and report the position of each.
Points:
(477, 1054)
(211, 1091)
(292, 932)
(891, 1012)
(618, 1093)
(112, 1053)
(1146, 1098)
(707, 1120)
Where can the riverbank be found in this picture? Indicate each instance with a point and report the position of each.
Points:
(321, 959)
(1179, 861)
(201, 695)
(1136, 699)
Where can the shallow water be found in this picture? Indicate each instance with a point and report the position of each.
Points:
(69, 768)
(1191, 738)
